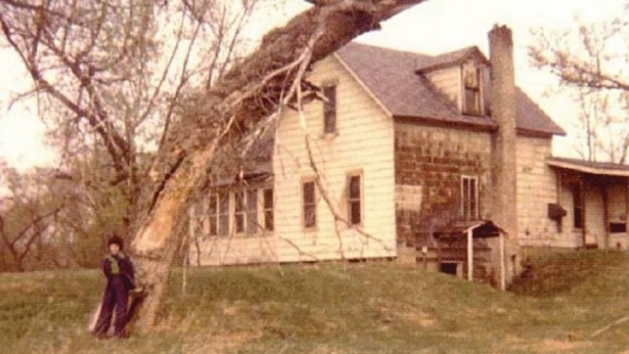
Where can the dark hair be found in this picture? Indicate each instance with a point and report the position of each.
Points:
(116, 240)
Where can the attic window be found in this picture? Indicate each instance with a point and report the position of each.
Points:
(471, 90)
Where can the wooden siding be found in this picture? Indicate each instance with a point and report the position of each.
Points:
(595, 228)
(448, 82)
(536, 187)
(569, 237)
(363, 143)
(618, 195)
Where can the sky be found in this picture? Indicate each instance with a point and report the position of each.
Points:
(433, 27)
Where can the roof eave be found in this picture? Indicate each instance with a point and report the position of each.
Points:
(599, 171)
(539, 133)
(449, 123)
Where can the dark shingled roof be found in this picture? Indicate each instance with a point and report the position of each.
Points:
(391, 77)
(450, 58)
(598, 168)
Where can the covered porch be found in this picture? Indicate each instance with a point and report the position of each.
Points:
(593, 203)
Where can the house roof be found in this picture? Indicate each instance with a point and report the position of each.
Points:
(451, 58)
(591, 167)
(390, 76)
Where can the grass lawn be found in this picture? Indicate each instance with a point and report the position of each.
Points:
(334, 308)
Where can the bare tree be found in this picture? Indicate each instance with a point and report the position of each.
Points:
(590, 63)
(28, 214)
(109, 75)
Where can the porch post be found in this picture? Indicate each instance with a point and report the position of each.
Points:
(470, 255)
(503, 286)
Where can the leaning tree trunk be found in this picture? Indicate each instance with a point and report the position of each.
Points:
(249, 92)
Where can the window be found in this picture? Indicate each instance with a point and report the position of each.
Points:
(577, 202)
(354, 212)
(198, 219)
(268, 209)
(309, 204)
(329, 109)
(252, 212)
(213, 214)
(471, 90)
(223, 214)
(239, 212)
(469, 198)
(617, 227)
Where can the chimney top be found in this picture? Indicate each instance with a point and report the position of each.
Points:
(502, 33)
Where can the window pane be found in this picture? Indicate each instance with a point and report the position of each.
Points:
(268, 199)
(213, 214)
(239, 223)
(238, 199)
(329, 109)
(355, 217)
(268, 220)
(309, 192)
(472, 101)
(223, 219)
(354, 187)
(310, 209)
(268, 209)
(252, 212)
(310, 215)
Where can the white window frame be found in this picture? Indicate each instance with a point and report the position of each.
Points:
(303, 203)
(265, 209)
(474, 214)
(361, 198)
(479, 89)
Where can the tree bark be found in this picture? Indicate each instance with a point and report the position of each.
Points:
(245, 95)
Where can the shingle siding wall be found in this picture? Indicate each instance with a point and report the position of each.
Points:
(364, 144)
(429, 164)
(536, 188)
(448, 82)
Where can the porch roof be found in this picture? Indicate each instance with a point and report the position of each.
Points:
(590, 167)
(479, 228)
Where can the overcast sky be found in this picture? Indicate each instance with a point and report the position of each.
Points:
(433, 27)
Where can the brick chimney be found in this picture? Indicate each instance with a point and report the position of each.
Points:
(503, 111)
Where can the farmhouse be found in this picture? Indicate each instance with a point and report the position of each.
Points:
(437, 159)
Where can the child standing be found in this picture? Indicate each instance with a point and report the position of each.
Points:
(120, 279)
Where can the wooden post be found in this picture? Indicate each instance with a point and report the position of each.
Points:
(503, 282)
(470, 255)
(605, 193)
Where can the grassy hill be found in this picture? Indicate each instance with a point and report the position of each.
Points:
(335, 308)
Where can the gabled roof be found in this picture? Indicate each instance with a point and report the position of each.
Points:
(451, 58)
(591, 167)
(390, 75)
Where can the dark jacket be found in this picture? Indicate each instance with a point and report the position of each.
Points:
(119, 269)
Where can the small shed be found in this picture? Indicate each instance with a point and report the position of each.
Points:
(478, 246)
